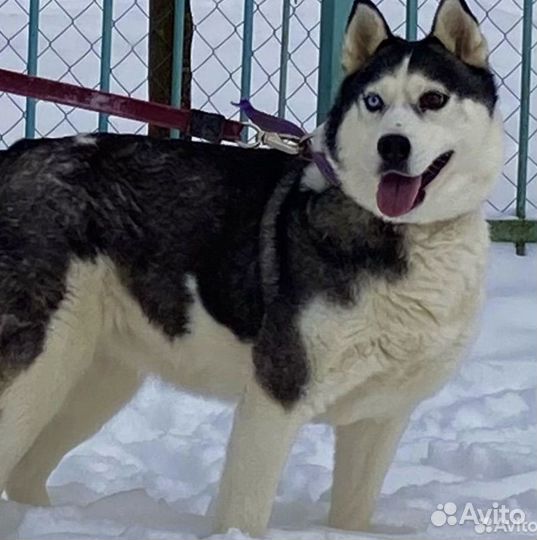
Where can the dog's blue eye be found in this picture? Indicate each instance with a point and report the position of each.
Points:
(373, 102)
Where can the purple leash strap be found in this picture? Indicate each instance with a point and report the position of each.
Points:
(273, 124)
(268, 122)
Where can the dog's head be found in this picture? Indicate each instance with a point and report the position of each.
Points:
(415, 133)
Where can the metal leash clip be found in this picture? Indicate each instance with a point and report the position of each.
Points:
(289, 144)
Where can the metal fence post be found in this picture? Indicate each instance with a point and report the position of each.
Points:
(523, 138)
(284, 57)
(247, 53)
(334, 15)
(106, 56)
(411, 19)
(33, 42)
(177, 57)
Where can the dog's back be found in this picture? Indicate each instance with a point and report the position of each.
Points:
(157, 209)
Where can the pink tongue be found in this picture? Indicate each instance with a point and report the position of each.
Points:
(397, 194)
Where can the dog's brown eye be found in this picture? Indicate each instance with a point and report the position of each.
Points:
(432, 101)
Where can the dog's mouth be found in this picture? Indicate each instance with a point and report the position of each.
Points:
(399, 193)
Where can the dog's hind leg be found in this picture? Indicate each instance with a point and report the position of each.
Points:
(99, 394)
(32, 395)
(263, 433)
(364, 452)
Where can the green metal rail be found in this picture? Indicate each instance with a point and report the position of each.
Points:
(106, 57)
(523, 138)
(178, 54)
(33, 38)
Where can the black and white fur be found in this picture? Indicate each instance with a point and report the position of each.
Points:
(240, 274)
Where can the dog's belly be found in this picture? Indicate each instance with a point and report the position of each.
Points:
(208, 360)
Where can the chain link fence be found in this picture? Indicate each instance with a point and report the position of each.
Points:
(502, 22)
(69, 49)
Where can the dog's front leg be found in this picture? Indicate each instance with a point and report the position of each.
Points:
(364, 452)
(263, 433)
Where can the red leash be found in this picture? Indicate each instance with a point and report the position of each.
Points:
(273, 132)
(209, 126)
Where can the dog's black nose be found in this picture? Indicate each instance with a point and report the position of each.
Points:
(394, 150)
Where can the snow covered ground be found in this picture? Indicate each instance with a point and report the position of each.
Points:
(152, 472)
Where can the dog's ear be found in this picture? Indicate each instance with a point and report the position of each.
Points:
(366, 30)
(458, 30)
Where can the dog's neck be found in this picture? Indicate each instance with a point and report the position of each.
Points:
(336, 223)
(320, 242)
(334, 217)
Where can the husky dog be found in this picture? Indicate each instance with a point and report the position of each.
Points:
(241, 274)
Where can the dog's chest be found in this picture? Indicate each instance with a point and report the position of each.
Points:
(404, 332)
